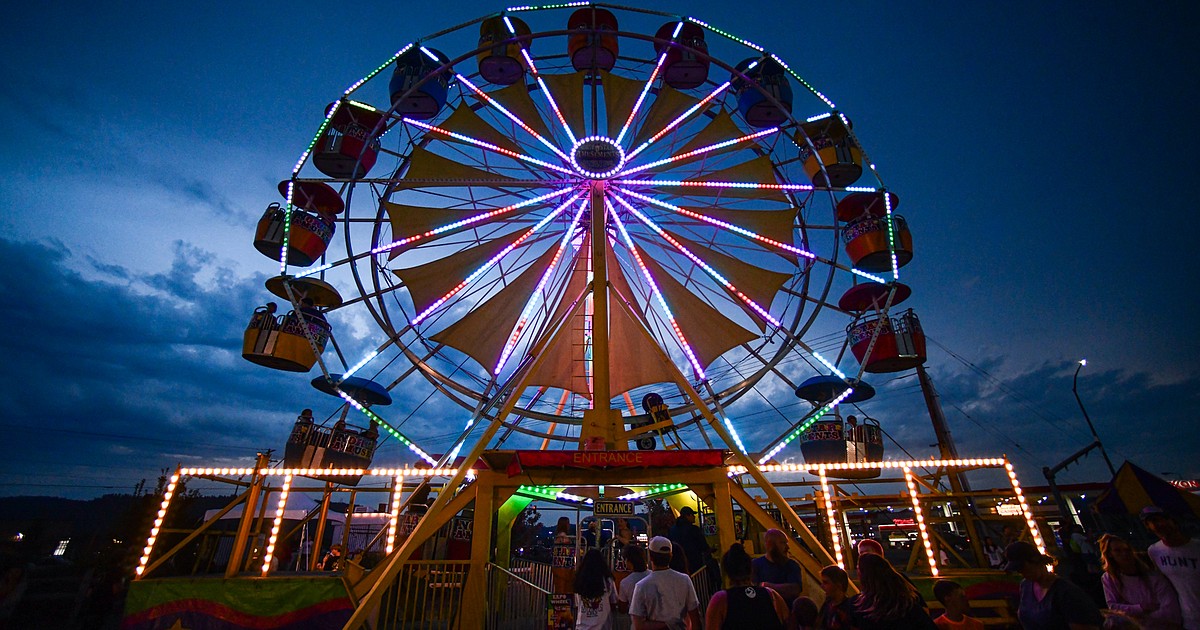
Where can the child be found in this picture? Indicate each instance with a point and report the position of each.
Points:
(954, 599)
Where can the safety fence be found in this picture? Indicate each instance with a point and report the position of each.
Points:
(426, 595)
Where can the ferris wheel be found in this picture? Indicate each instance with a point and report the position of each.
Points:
(581, 220)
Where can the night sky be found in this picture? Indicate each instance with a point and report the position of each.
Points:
(1041, 152)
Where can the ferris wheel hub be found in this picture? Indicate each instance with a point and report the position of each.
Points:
(597, 157)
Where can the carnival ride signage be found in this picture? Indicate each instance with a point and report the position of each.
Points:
(613, 508)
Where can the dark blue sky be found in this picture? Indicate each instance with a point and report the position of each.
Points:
(1041, 152)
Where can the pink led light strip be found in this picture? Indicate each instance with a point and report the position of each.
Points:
(682, 117)
(491, 101)
(469, 221)
(545, 90)
(695, 152)
(698, 261)
(683, 342)
(495, 259)
(489, 146)
(719, 223)
(529, 304)
(650, 82)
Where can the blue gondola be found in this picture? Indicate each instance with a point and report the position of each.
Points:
(424, 102)
(765, 100)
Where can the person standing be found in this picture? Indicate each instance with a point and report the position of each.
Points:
(665, 599)
(1048, 602)
(776, 570)
(690, 539)
(837, 613)
(954, 600)
(635, 559)
(1132, 588)
(744, 605)
(595, 593)
(888, 601)
(993, 552)
(1178, 557)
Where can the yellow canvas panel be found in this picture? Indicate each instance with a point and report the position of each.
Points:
(515, 98)
(708, 332)
(667, 105)
(760, 285)
(620, 94)
(427, 166)
(428, 282)
(756, 171)
(567, 90)
(777, 225)
(467, 121)
(483, 332)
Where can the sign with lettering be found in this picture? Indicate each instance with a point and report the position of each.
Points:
(613, 508)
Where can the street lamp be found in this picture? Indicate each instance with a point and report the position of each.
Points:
(1075, 390)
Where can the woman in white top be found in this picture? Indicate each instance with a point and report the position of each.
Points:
(595, 593)
(1132, 588)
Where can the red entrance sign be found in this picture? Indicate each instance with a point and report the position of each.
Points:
(615, 459)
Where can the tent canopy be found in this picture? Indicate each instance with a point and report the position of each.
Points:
(1135, 488)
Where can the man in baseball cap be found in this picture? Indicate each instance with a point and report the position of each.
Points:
(1178, 557)
(1048, 601)
(665, 596)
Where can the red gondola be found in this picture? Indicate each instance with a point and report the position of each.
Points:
(311, 225)
(900, 344)
(349, 147)
(593, 41)
(686, 65)
(869, 243)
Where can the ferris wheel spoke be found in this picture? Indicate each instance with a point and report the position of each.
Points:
(697, 152)
(489, 146)
(649, 83)
(679, 120)
(428, 310)
(484, 96)
(699, 262)
(533, 300)
(471, 221)
(724, 225)
(662, 302)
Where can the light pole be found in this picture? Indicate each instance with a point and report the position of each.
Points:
(1075, 390)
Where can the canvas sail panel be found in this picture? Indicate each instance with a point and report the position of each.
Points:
(632, 358)
(620, 283)
(777, 225)
(668, 104)
(620, 95)
(720, 129)
(756, 171)
(425, 166)
(567, 90)
(709, 333)
(483, 332)
(427, 283)
(760, 285)
(563, 367)
(515, 98)
(466, 121)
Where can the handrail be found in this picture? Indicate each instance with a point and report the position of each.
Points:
(493, 565)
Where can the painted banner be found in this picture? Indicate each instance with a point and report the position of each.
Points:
(316, 602)
(615, 459)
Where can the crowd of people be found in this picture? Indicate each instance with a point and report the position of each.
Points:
(766, 593)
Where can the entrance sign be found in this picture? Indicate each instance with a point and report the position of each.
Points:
(613, 508)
